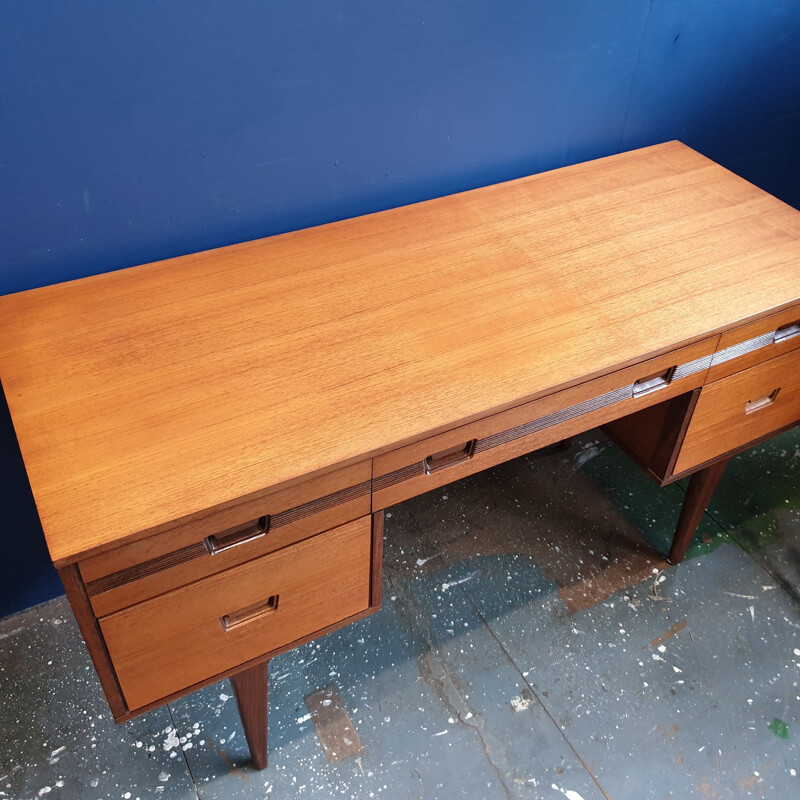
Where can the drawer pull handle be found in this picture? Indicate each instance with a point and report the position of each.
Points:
(242, 535)
(756, 405)
(250, 613)
(787, 332)
(449, 457)
(653, 383)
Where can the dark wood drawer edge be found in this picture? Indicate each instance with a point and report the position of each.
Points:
(123, 714)
(95, 643)
(669, 437)
(542, 423)
(199, 549)
(730, 453)
(130, 714)
(744, 348)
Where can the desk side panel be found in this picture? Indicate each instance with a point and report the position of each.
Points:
(92, 635)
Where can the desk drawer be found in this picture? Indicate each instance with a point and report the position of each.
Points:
(741, 409)
(179, 639)
(755, 343)
(446, 457)
(247, 529)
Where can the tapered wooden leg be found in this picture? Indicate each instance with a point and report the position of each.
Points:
(250, 688)
(701, 486)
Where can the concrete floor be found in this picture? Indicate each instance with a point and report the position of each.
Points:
(530, 646)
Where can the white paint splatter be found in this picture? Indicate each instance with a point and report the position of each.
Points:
(305, 718)
(520, 703)
(570, 794)
(171, 741)
(56, 754)
(587, 454)
(446, 586)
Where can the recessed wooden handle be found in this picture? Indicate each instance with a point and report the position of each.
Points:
(241, 535)
(757, 405)
(653, 383)
(787, 332)
(250, 613)
(449, 457)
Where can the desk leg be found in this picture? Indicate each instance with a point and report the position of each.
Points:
(250, 688)
(701, 486)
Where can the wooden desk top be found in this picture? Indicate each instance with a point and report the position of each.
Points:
(148, 394)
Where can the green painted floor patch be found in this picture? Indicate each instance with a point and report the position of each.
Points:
(757, 484)
(651, 509)
(753, 536)
(707, 540)
(779, 728)
(758, 532)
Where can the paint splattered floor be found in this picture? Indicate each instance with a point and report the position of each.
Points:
(530, 646)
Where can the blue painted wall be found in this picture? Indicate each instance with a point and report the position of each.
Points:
(136, 131)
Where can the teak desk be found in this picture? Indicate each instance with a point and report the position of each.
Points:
(211, 440)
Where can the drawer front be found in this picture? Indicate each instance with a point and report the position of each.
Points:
(741, 409)
(169, 643)
(446, 457)
(135, 572)
(756, 342)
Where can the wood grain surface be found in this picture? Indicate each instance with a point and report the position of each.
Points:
(652, 437)
(147, 395)
(124, 557)
(251, 689)
(394, 482)
(742, 408)
(770, 324)
(95, 644)
(180, 638)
